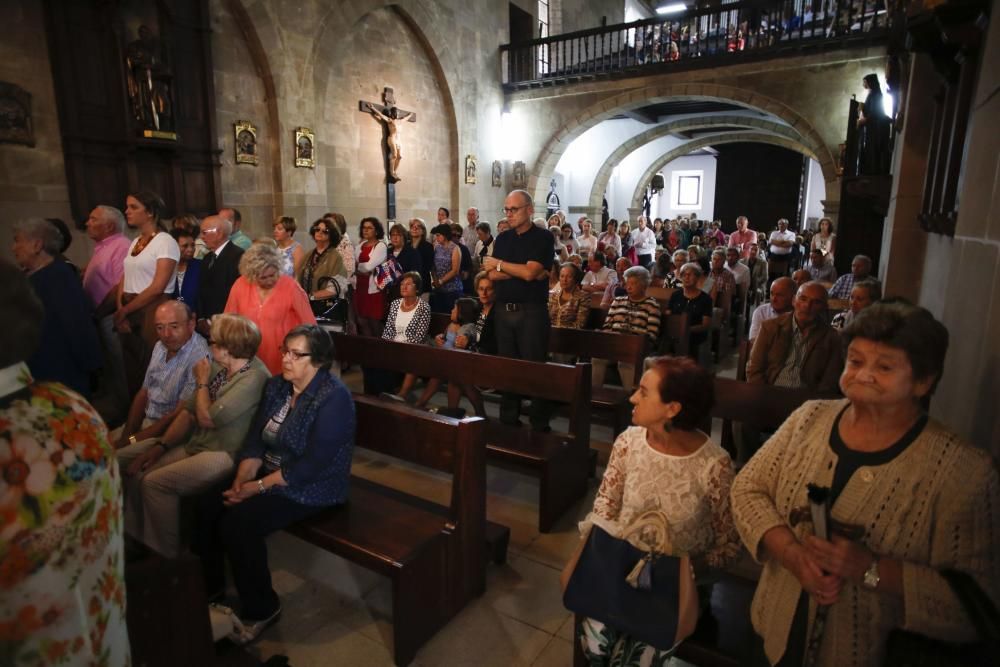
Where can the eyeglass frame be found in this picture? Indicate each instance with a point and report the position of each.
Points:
(296, 355)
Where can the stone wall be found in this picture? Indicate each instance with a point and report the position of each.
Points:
(32, 179)
(962, 274)
(586, 15)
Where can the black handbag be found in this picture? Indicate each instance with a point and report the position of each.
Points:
(333, 309)
(911, 649)
(661, 610)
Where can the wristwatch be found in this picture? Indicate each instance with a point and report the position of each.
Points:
(262, 489)
(870, 578)
(132, 440)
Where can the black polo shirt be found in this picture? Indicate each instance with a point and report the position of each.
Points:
(534, 245)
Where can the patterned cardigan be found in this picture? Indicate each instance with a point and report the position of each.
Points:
(416, 330)
(315, 442)
(935, 506)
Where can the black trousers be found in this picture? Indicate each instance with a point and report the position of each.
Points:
(239, 533)
(523, 333)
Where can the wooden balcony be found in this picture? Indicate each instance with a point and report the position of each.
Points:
(715, 37)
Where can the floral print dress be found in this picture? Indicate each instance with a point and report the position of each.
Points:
(62, 570)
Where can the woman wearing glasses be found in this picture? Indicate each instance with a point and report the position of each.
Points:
(295, 462)
(325, 261)
(272, 301)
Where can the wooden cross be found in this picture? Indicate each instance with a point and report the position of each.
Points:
(389, 115)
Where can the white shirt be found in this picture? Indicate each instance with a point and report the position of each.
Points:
(763, 313)
(586, 244)
(605, 276)
(644, 241)
(778, 235)
(742, 273)
(403, 319)
(140, 270)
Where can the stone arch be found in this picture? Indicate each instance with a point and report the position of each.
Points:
(713, 140)
(549, 156)
(725, 120)
(262, 65)
(428, 34)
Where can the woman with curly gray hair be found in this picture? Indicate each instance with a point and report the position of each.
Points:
(272, 300)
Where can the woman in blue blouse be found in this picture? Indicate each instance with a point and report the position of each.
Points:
(295, 462)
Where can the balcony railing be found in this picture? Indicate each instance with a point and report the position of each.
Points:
(705, 37)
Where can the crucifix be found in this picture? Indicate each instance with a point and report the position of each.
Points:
(388, 116)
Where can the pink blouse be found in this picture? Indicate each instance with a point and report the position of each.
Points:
(286, 307)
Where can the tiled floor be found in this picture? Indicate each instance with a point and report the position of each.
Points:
(335, 613)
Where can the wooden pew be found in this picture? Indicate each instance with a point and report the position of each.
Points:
(561, 461)
(432, 554)
(614, 347)
(167, 616)
(759, 406)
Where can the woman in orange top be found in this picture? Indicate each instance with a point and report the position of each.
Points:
(274, 302)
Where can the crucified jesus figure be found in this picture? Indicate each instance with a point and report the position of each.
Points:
(392, 134)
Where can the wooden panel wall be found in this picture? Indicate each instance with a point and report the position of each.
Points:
(105, 152)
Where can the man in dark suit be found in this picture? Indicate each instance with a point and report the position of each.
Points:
(220, 267)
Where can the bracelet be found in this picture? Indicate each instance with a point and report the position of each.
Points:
(500, 266)
(260, 486)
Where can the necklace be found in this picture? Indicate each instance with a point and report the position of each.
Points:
(140, 245)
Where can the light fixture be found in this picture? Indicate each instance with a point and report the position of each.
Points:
(672, 8)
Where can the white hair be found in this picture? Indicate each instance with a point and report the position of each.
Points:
(112, 215)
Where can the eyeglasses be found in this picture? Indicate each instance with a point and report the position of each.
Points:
(210, 230)
(507, 210)
(321, 230)
(295, 354)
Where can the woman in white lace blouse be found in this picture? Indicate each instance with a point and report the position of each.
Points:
(664, 463)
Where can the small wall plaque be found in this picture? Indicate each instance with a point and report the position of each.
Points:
(245, 136)
(305, 147)
(470, 169)
(15, 115)
(497, 173)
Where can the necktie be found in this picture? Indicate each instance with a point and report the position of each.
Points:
(209, 260)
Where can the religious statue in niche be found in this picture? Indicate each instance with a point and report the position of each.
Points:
(15, 115)
(552, 201)
(470, 169)
(497, 174)
(148, 78)
(520, 175)
(389, 115)
(245, 142)
(305, 145)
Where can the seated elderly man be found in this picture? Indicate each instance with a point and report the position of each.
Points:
(799, 349)
(720, 283)
(865, 293)
(861, 267)
(599, 276)
(169, 380)
(782, 293)
(634, 313)
(820, 268)
(800, 277)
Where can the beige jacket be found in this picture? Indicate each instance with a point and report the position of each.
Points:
(822, 361)
(935, 506)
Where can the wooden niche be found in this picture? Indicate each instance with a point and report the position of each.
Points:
(136, 102)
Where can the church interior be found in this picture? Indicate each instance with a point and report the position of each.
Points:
(597, 108)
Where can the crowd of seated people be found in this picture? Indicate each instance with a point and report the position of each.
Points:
(237, 415)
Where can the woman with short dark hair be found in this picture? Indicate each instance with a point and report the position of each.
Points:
(369, 300)
(324, 263)
(282, 230)
(419, 242)
(446, 280)
(568, 303)
(188, 276)
(296, 462)
(908, 500)
(664, 463)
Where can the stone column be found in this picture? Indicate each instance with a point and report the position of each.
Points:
(904, 243)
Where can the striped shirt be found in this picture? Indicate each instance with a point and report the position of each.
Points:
(170, 381)
(635, 317)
